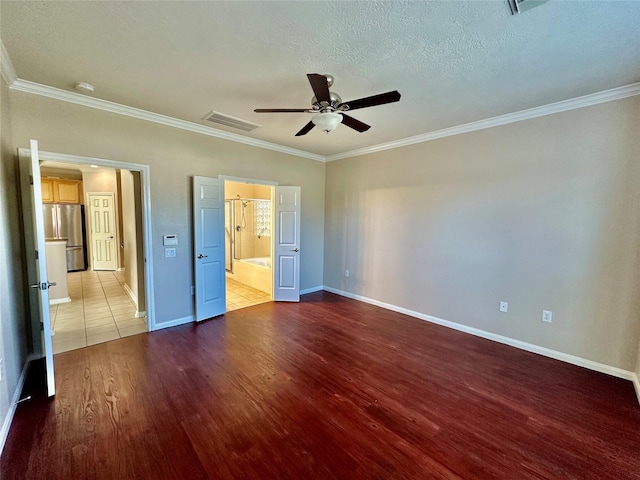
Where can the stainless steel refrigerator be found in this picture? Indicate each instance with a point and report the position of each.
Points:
(66, 221)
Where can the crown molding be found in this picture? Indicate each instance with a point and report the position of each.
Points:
(112, 107)
(6, 67)
(557, 107)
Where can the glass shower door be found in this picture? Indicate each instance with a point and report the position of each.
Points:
(228, 235)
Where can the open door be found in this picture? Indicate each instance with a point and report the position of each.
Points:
(208, 247)
(32, 195)
(287, 244)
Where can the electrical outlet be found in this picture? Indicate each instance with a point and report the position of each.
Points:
(504, 307)
(346, 273)
(547, 316)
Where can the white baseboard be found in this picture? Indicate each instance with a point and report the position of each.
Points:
(132, 295)
(636, 385)
(6, 425)
(140, 314)
(317, 288)
(547, 352)
(174, 323)
(57, 301)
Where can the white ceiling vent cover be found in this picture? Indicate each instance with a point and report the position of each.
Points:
(229, 121)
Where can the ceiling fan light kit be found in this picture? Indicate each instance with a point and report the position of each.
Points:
(327, 121)
(329, 107)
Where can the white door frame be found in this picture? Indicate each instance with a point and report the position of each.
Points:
(274, 185)
(253, 181)
(145, 183)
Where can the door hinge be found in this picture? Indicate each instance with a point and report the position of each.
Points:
(30, 179)
(37, 257)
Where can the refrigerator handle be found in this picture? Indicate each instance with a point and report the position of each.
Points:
(54, 220)
(56, 213)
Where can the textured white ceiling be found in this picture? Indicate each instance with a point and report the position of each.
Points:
(453, 62)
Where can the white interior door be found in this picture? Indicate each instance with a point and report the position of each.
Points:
(102, 231)
(32, 195)
(208, 247)
(287, 244)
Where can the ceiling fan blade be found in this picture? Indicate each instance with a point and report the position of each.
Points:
(281, 110)
(380, 99)
(355, 124)
(306, 129)
(320, 87)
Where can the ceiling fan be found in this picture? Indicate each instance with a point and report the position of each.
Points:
(329, 107)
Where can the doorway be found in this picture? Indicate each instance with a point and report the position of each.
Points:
(209, 260)
(248, 243)
(107, 300)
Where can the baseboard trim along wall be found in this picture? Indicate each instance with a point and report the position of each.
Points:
(636, 385)
(6, 425)
(547, 352)
(57, 301)
(132, 296)
(317, 288)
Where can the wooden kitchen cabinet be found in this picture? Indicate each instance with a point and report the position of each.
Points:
(67, 191)
(59, 190)
(47, 190)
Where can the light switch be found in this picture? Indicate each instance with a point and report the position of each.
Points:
(169, 252)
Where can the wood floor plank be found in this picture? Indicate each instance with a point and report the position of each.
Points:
(329, 388)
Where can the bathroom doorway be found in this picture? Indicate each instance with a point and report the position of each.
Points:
(248, 243)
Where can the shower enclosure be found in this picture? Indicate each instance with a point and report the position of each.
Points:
(247, 232)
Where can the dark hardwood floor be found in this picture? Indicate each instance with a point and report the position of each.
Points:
(329, 388)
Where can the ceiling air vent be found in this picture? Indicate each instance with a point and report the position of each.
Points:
(229, 121)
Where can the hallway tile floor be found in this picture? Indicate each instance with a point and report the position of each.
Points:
(240, 295)
(100, 310)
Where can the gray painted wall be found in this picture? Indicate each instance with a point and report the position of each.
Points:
(13, 344)
(544, 214)
(133, 252)
(174, 157)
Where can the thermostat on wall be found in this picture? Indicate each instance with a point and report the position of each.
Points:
(170, 240)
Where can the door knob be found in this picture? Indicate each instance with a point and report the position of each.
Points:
(51, 284)
(202, 256)
(295, 250)
(35, 285)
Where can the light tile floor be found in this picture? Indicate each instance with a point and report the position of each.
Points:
(240, 295)
(100, 310)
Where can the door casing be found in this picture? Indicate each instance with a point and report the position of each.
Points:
(145, 181)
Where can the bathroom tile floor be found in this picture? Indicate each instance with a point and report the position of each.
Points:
(100, 310)
(240, 295)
